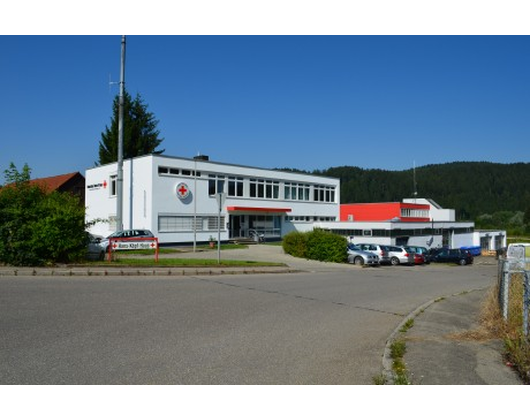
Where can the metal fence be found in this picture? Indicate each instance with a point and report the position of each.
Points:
(515, 275)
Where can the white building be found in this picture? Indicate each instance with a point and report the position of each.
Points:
(427, 234)
(436, 212)
(176, 198)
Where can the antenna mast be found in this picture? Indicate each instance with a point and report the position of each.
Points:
(415, 189)
(119, 191)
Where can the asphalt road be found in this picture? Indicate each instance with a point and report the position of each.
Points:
(326, 326)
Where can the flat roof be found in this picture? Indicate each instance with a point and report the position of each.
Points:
(213, 162)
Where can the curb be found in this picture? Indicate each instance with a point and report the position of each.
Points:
(127, 271)
(387, 361)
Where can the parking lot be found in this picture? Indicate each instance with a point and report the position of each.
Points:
(324, 323)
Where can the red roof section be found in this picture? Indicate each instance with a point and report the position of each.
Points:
(53, 183)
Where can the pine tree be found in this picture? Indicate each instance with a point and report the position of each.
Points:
(140, 134)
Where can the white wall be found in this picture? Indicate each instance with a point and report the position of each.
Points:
(98, 200)
(154, 195)
(436, 212)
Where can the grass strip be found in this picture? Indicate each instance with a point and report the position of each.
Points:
(185, 262)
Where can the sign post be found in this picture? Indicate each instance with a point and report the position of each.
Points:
(220, 196)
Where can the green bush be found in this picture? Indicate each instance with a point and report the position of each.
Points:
(295, 244)
(38, 228)
(326, 246)
(317, 245)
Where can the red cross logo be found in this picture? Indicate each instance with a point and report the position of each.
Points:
(183, 191)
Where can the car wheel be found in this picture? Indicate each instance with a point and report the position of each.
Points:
(462, 262)
(359, 261)
(394, 261)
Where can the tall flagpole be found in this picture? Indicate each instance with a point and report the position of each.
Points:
(119, 192)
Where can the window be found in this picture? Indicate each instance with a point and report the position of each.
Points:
(216, 184)
(324, 194)
(185, 223)
(235, 187)
(298, 192)
(405, 212)
(164, 170)
(213, 223)
(261, 188)
(175, 223)
(113, 191)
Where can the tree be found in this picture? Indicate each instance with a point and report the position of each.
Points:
(37, 227)
(13, 176)
(140, 134)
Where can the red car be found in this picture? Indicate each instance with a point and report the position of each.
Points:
(419, 259)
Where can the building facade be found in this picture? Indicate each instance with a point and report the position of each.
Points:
(363, 212)
(178, 199)
(185, 200)
(415, 222)
(427, 234)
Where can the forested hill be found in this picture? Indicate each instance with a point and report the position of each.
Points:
(471, 188)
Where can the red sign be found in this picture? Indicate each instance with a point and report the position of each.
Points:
(183, 191)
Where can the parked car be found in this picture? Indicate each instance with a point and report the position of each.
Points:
(359, 257)
(378, 250)
(399, 255)
(129, 233)
(419, 250)
(94, 250)
(419, 259)
(458, 256)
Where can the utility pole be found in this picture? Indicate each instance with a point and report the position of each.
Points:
(119, 191)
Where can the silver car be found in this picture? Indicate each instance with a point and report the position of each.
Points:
(378, 250)
(359, 257)
(399, 255)
(129, 233)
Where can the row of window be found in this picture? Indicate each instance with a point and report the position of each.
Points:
(257, 188)
(164, 170)
(235, 186)
(395, 233)
(309, 219)
(186, 223)
(415, 213)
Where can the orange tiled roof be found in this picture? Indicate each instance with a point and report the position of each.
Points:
(53, 183)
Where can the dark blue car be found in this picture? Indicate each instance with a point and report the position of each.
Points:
(457, 256)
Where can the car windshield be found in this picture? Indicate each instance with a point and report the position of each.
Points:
(354, 247)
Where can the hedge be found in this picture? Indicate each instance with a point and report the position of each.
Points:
(317, 245)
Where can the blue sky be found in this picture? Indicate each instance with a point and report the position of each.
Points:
(306, 102)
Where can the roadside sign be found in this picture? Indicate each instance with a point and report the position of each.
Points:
(117, 245)
(121, 244)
